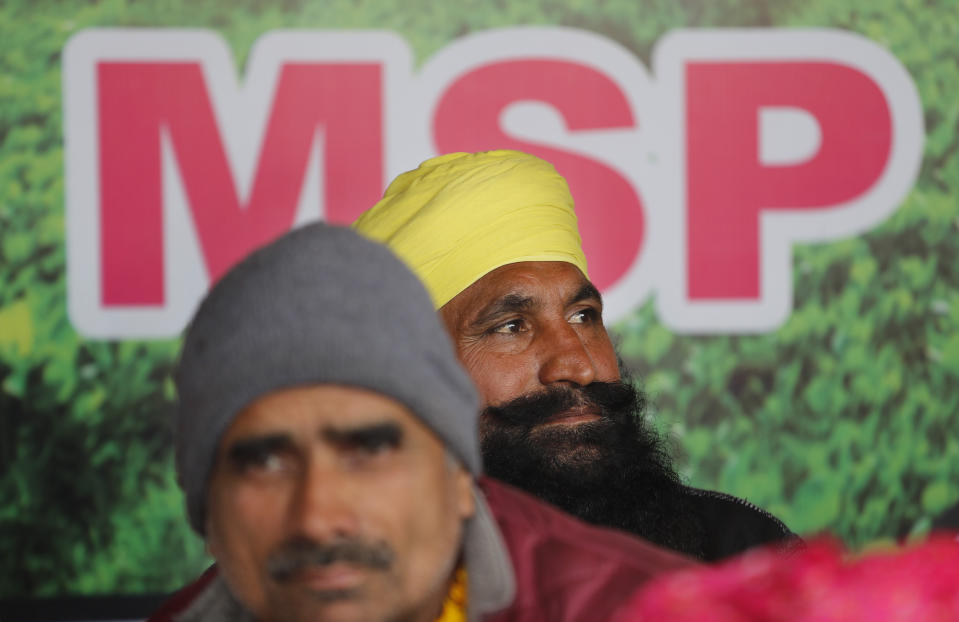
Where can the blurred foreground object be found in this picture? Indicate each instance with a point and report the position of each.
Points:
(819, 584)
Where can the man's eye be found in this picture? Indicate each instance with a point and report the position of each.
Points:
(584, 316)
(271, 463)
(369, 453)
(262, 462)
(512, 326)
(376, 446)
(375, 441)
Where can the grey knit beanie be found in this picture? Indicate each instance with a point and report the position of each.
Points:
(319, 305)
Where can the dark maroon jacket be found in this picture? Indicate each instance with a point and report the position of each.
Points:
(566, 570)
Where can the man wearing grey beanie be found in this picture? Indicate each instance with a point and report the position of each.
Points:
(326, 442)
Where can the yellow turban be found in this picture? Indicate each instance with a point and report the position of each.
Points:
(460, 216)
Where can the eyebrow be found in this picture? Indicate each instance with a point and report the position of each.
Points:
(587, 292)
(510, 303)
(386, 433)
(246, 450)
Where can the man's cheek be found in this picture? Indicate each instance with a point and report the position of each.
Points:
(491, 376)
(605, 359)
(473, 359)
(487, 391)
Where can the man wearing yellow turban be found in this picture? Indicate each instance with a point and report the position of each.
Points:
(493, 236)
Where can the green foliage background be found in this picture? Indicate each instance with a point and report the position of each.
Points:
(843, 420)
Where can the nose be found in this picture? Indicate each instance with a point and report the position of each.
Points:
(564, 357)
(321, 507)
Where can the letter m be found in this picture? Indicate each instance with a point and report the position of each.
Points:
(174, 172)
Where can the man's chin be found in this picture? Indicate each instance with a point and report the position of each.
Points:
(579, 458)
(567, 456)
(302, 602)
(556, 440)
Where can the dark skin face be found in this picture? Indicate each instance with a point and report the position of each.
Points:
(355, 482)
(558, 421)
(531, 325)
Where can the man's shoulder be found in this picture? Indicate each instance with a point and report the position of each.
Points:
(531, 518)
(566, 568)
(732, 524)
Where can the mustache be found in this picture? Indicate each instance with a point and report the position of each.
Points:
(295, 555)
(608, 399)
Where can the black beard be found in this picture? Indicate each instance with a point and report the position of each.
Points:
(614, 471)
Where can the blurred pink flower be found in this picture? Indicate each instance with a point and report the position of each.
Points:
(820, 583)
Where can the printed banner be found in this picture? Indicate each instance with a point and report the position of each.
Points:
(743, 143)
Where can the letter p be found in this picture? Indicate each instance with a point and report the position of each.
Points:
(790, 137)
